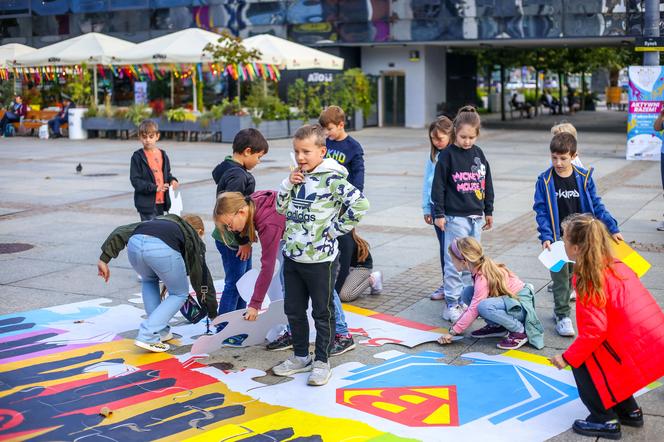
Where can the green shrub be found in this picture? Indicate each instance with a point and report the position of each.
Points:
(138, 113)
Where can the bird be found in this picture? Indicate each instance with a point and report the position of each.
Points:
(79, 168)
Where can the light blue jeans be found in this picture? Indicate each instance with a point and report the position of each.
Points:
(494, 311)
(458, 227)
(154, 260)
(339, 316)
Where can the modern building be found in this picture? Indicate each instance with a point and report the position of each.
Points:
(403, 43)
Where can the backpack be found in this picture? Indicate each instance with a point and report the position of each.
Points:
(194, 308)
(9, 130)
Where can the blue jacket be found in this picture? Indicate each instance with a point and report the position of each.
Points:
(546, 204)
(429, 169)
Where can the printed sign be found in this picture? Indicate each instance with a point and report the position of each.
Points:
(646, 88)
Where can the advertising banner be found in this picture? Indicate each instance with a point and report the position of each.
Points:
(646, 96)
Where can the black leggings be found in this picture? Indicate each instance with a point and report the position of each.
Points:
(591, 399)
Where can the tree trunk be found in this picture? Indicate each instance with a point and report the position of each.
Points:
(583, 91)
(502, 93)
(536, 91)
(560, 93)
(489, 69)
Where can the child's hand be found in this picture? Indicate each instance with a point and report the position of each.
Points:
(428, 219)
(488, 224)
(617, 237)
(546, 245)
(174, 184)
(558, 361)
(296, 176)
(163, 188)
(244, 252)
(440, 223)
(445, 339)
(103, 270)
(251, 314)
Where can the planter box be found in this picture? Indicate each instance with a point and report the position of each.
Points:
(99, 123)
(231, 125)
(359, 120)
(294, 125)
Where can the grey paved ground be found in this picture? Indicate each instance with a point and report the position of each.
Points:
(66, 216)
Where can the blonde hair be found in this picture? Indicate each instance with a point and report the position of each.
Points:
(496, 274)
(564, 127)
(362, 247)
(331, 115)
(314, 131)
(441, 124)
(195, 221)
(595, 256)
(467, 115)
(230, 203)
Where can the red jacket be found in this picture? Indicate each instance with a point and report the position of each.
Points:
(622, 344)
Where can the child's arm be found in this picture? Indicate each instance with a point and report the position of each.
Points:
(357, 169)
(429, 169)
(140, 184)
(284, 196)
(600, 210)
(488, 197)
(593, 326)
(355, 203)
(112, 247)
(269, 238)
(480, 293)
(542, 214)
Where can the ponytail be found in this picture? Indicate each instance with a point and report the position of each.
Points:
(467, 115)
(496, 274)
(230, 203)
(594, 257)
(362, 247)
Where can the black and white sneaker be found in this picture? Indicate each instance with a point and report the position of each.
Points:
(283, 342)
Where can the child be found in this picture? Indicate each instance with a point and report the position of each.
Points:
(232, 175)
(254, 217)
(564, 190)
(620, 347)
(569, 128)
(348, 152)
(150, 174)
(462, 192)
(312, 198)
(164, 249)
(360, 277)
(440, 133)
(498, 296)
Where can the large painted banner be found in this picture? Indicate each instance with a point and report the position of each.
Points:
(646, 90)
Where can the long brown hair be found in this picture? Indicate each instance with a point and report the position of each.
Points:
(230, 203)
(594, 257)
(467, 115)
(496, 274)
(441, 124)
(362, 247)
(195, 221)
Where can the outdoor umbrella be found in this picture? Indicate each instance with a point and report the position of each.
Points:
(289, 55)
(92, 48)
(9, 52)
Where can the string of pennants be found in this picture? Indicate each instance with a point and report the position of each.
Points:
(245, 72)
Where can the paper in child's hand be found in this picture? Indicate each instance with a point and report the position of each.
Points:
(555, 258)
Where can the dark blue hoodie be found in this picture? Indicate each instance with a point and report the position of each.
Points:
(348, 152)
(231, 176)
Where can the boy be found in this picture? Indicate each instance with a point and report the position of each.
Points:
(348, 152)
(232, 175)
(150, 174)
(563, 190)
(311, 198)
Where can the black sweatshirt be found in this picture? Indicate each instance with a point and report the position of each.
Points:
(462, 183)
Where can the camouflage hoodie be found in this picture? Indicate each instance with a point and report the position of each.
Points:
(313, 212)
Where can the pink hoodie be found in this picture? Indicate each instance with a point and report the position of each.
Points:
(270, 227)
(480, 293)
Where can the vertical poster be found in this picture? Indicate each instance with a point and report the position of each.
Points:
(646, 96)
(140, 92)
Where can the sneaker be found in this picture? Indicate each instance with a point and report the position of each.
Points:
(283, 342)
(513, 340)
(438, 294)
(157, 347)
(376, 283)
(490, 331)
(564, 326)
(660, 226)
(342, 344)
(549, 288)
(320, 373)
(572, 296)
(166, 337)
(452, 313)
(291, 366)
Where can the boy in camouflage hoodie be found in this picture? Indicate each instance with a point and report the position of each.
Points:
(312, 198)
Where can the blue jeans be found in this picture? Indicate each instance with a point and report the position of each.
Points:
(458, 227)
(339, 316)
(494, 311)
(154, 260)
(440, 234)
(234, 268)
(55, 123)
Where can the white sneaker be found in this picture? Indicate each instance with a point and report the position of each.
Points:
(291, 366)
(572, 296)
(166, 337)
(564, 327)
(452, 313)
(157, 347)
(377, 283)
(660, 226)
(320, 374)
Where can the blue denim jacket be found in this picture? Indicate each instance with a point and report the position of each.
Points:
(429, 169)
(546, 205)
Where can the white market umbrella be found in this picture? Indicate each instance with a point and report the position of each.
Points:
(289, 55)
(92, 48)
(9, 52)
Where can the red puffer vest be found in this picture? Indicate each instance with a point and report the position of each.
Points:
(622, 344)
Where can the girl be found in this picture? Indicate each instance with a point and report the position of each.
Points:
(620, 346)
(498, 296)
(167, 248)
(462, 193)
(360, 277)
(253, 217)
(440, 133)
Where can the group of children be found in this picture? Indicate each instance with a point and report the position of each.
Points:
(621, 328)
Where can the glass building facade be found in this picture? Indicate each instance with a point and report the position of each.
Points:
(345, 22)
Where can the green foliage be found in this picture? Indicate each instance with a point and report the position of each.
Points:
(6, 93)
(297, 95)
(230, 50)
(220, 110)
(180, 114)
(120, 113)
(32, 97)
(79, 88)
(264, 106)
(92, 112)
(138, 113)
(359, 84)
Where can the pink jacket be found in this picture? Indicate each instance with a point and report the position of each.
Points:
(480, 293)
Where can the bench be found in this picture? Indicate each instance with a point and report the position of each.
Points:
(34, 119)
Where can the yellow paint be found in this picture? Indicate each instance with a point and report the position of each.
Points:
(411, 398)
(390, 408)
(439, 417)
(522, 355)
(303, 424)
(631, 258)
(358, 310)
(442, 393)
